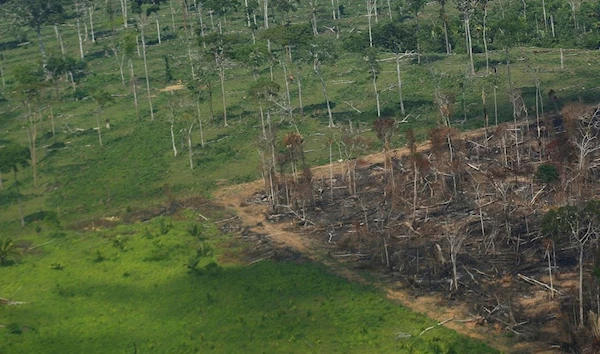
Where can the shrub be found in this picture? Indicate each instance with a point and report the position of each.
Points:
(547, 173)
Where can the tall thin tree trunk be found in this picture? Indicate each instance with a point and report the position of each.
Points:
(300, 94)
(80, 40)
(124, 12)
(376, 94)
(469, 44)
(324, 88)
(581, 316)
(158, 31)
(222, 79)
(52, 122)
(545, 16)
(266, 13)
(400, 85)
(146, 72)
(21, 214)
(60, 41)
(190, 152)
(134, 89)
(287, 89)
(200, 124)
(99, 129)
(485, 46)
(369, 11)
(333, 9)
(91, 12)
(173, 137)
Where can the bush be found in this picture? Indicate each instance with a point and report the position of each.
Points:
(547, 173)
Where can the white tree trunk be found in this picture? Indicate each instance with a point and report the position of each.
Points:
(400, 85)
(200, 124)
(146, 72)
(222, 79)
(300, 94)
(99, 129)
(173, 137)
(190, 151)
(60, 41)
(134, 89)
(124, 12)
(80, 39)
(324, 88)
(376, 95)
(158, 31)
(91, 12)
(266, 13)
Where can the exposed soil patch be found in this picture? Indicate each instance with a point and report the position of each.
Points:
(457, 239)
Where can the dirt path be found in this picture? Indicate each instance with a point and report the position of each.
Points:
(435, 306)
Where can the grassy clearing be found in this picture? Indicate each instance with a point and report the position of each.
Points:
(110, 290)
(83, 180)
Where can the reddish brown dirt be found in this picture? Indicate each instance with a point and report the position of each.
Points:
(253, 215)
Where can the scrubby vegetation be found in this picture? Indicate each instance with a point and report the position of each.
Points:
(117, 112)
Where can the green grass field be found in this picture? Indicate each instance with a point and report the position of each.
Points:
(128, 288)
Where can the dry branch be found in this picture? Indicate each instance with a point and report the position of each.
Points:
(537, 282)
(437, 325)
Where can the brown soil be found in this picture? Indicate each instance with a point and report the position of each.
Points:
(245, 201)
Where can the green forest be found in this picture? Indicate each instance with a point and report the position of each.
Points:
(121, 120)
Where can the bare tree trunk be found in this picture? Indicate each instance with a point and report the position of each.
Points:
(389, 4)
(146, 72)
(469, 43)
(21, 214)
(300, 94)
(287, 89)
(52, 122)
(120, 64)
(331, 171)
(485, 47)
(496, 104)
(134, 89)
(158, 31)
(333, 9)
(91, 12)
(172, 121)
(400, 85)
(80, 40)
(369, 12)
(376, 94)
(324, 88)
(190, 152)
(222, 79)
(200, 124)
(99, 129)
(266, 13)
(581, 316)
(313, 8)
(545, 16)
(60, 41)
(124, 12)
(416, 175)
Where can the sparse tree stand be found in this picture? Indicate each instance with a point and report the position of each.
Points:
(416, 6)
(141, 27)
(374, 68)
(35, 14)
(466, 7)
(13, 156)
(320, 52)
(580, 223)
(102, 98)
